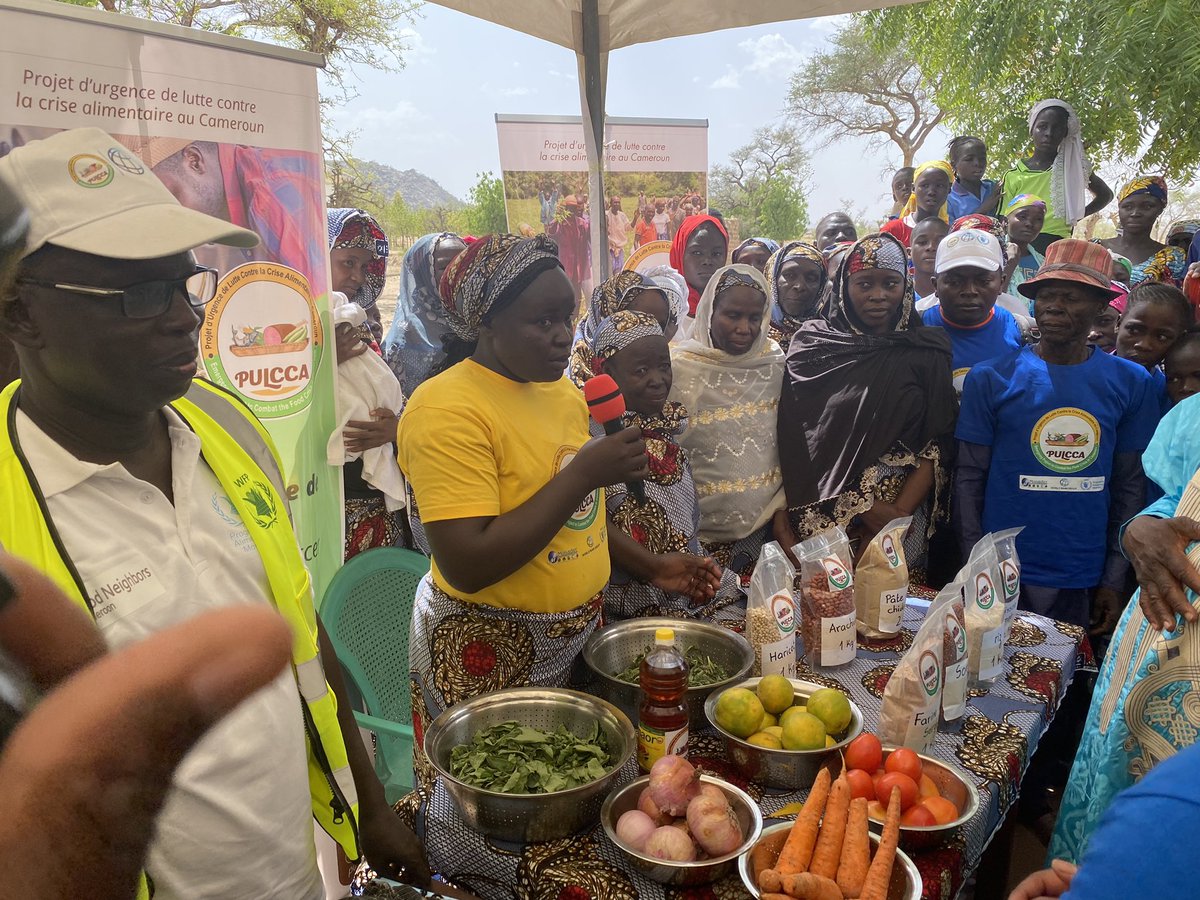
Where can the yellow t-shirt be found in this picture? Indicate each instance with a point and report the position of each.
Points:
(474, 443)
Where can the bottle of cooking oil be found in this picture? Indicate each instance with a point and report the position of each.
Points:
(663, 715)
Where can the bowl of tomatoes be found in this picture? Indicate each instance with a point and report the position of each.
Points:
(936, 798)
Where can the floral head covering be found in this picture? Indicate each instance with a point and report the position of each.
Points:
(672, 284)
(997, 226)
(489, 275)
(1154, 185)
(791, 250)
(355, 229)
(613, 295)
(1182, 227)
(620, 330)
(942, 166)
(765, 242)
(875, 251)
(1021, 201)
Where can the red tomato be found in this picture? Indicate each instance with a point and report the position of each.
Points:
(875, 776)
(908, 789)
(861, 784)
(906, 762)
(944, 811)
(917, 817)
(864, 752)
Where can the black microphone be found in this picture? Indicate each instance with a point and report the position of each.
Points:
(607, 405)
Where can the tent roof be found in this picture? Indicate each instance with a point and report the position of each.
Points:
(627, 22)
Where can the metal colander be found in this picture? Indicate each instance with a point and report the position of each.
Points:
(525, 818)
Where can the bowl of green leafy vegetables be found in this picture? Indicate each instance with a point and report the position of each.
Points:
(530, 764)
(717, 658)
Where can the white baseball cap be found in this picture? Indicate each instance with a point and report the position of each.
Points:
(86, 191)
(969, 247)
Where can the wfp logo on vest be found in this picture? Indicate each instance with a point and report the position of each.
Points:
(259, 500)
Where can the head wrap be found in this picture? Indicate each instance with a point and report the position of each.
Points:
(611, 296)
(1070, 170)
(735, 400)
(620, 330)
(1181, 227)
(875, 251)
(766, 243)
(355, 229)
(672, 284)
(1021, 201)
(942, 166)
(834, 254)
(489, 275)
(1124, 262)
(783, 326)
(997, 226)
(679, 244)
(1154, 185)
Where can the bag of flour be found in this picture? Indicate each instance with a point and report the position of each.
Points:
(984, 614)
(771, 613)
(913, 696)
(1005, 543)
(881, 582)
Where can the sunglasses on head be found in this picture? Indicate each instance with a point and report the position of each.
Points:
(146, 299)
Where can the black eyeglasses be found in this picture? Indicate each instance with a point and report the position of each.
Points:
(147, 299)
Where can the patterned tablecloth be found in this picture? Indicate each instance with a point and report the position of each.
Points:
(993, 743)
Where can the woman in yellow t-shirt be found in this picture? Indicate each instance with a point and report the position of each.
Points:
(508, 484)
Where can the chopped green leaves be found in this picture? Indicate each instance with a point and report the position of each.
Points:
(703, 670)
(515, 759)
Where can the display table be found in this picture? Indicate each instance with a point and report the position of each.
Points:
(993, 744)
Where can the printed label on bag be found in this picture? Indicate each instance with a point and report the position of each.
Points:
(838, 574)
(922, 730)
(779, 657)
(838, 641)
(783, 608)
(654, 744)
(954, 690)
(991, 654)
(891, 609)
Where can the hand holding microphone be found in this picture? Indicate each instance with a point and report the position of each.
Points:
(621, 456)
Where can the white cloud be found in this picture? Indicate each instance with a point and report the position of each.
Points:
(515, 92)
(731, 80)
(404, 112)
(771, 56)
(416, 49)
(828, 24)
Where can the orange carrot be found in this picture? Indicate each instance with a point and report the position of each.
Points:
(833, 829)
(769, 880)
(879, 876)
(797, 852)
(856, 851)
(774, 896)
(807, 886)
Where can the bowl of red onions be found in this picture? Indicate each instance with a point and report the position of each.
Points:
(679, 827)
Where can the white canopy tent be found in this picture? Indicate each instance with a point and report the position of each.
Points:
(593, 28)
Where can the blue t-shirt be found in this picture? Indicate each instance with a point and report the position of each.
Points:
(1000, 334)
(961, 202)
(1053, 431)
(1144, 845)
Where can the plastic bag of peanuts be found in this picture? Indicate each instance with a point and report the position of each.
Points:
(771, 613)
(827, 599)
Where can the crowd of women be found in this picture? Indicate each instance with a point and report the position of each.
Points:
(969, 366)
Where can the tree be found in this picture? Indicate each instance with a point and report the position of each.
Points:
(860, 89)
(485, 212)
(763, 184)
(1128, 68)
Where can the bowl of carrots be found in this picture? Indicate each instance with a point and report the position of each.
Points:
(829, 853)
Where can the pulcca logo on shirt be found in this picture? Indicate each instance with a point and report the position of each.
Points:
(889, 551)
(839, 575)
(1066, 440)
(985, 591)
(1010, 577)
(931, 673)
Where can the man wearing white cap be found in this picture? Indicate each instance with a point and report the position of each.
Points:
(136, 488)
(968, 275)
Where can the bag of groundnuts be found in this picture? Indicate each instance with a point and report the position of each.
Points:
(1005, 543)
(827, 599)
(985, 615)
(771, 613)
(881, 582)
(913, 696)
(955, 675)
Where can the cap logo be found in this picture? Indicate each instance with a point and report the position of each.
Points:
(89, 171)
(126, 161)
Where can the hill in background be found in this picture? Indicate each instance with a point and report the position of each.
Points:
(418, 191)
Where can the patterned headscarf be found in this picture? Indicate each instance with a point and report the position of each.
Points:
(1181, 227)
(613, 295)
(489, 275)
(355, 229)
(780, 321)
(679, 244)
(672, 284)
(770, 246)
(1021, 201)
(997, 226)
(1154, 185)
(875, 251)
(941, 165)
(620, 330)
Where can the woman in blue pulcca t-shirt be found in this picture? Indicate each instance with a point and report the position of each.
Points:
(1050, 438)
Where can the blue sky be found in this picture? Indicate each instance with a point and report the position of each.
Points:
(437, 114)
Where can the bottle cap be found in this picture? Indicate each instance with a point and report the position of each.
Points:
(664, 635)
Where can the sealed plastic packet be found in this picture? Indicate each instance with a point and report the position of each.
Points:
(955, 675)
(1005, 543)
(881, 582)
(985, 615)
(912, 699)
(771, 613)
(827, 599)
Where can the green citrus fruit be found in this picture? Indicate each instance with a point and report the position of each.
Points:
(803, 731)
(832, 707)
(739, 712)
(776, 693)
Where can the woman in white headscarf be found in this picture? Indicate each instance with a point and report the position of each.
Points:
(1058, 171)
(729, 375)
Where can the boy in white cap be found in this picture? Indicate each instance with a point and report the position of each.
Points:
(968, 275)
(150, 497)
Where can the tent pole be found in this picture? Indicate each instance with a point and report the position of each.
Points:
(593, 73)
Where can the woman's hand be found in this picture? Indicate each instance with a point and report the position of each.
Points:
(612, 459)
(696, 577)
(880, 513)
(360, 436)
(1106, 610)
(1052, 882)
(348, 344)
(1156, 547)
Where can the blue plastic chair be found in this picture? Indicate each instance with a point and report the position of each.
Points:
(366, 610)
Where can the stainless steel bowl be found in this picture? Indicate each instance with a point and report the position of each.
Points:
(953, 784)
(524, 818)
(781, 768)
(905, 884)
(613, 649)
(682, 874)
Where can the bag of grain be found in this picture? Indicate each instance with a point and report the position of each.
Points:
(771, 613)
(881, 582)
(826, 599)
(913, 696)
(985, 615)
(955, 674)
(1010, 572)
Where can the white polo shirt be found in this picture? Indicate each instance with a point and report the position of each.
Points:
(237, 824)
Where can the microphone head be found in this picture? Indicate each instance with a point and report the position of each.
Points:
(604, 398)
